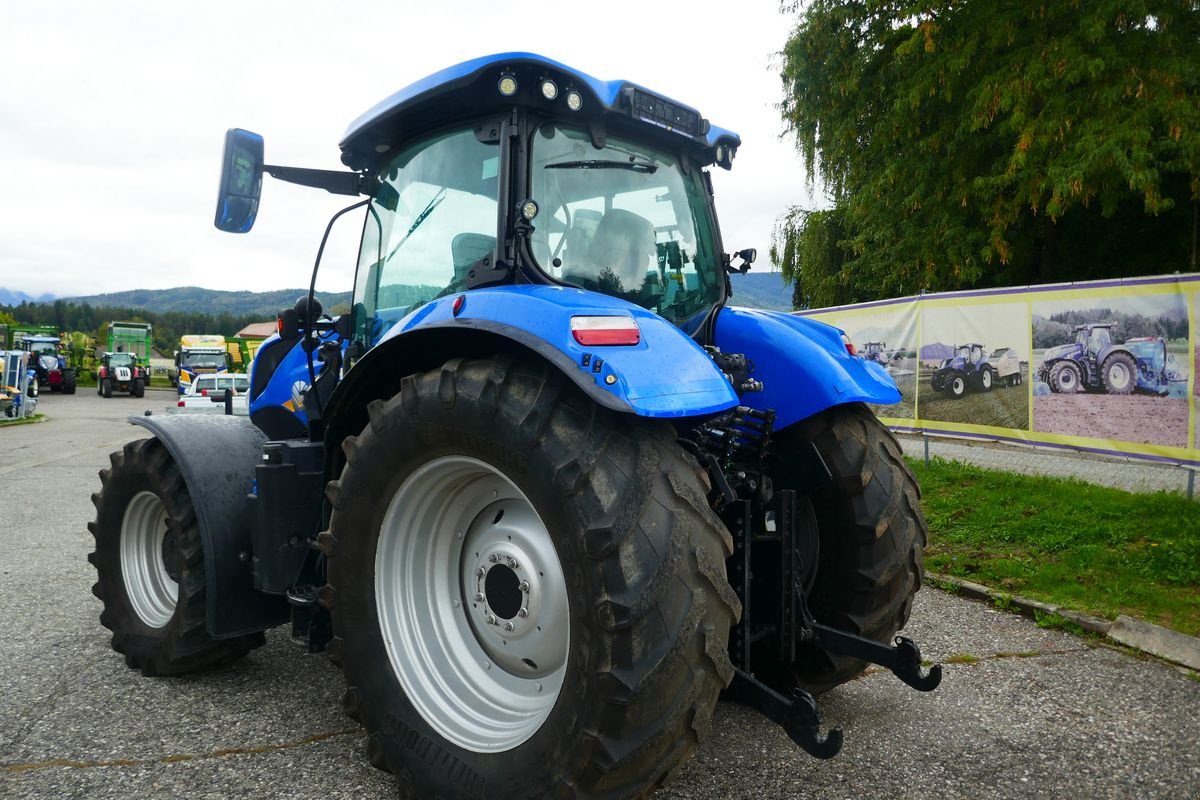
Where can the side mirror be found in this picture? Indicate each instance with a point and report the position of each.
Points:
(241, 181)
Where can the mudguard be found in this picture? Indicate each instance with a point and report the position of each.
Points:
(217, 455)
(665, 375)
(802, 363)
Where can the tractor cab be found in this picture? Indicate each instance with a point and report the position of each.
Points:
(1094, 339)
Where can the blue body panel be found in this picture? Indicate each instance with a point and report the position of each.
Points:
(665, 375)
(607, 92)
(289, 381)
(802, 363)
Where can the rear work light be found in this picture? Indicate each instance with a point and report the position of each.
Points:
(599, 331)
(849, 345)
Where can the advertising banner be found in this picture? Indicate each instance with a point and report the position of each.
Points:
(1105, 367)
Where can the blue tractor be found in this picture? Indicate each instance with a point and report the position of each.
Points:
(542, 494)
(1095, 363)
(968, 368)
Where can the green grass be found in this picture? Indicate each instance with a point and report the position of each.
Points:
(13, 421)
(1089, 548)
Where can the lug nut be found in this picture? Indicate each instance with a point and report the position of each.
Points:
(512, 563)
(490, 619)
(493, 558)
(524, 587)
(478, 597)
(523, 613)
(479, 573)
(508, 626)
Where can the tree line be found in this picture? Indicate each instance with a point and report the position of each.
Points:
(166, 327)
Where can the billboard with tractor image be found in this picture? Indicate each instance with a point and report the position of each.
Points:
(1105, 366)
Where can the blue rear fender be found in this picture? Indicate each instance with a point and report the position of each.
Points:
(665, 375)
(802, 363)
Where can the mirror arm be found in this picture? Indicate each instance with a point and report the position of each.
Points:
(333, 181)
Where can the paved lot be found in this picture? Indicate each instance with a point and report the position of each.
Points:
(1022, 712)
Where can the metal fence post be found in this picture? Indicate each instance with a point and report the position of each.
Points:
(925, 438)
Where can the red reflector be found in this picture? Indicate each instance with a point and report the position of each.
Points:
(181, 404)
(600, 331)
(204, 392)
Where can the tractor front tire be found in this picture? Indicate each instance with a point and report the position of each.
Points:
(985, 380)
(528, 591)
(1119, 374)
(956, 385)
(149, 561)
(138, 388)
(106, 388)
(871, 532)
(68, 384)
(1065, 378)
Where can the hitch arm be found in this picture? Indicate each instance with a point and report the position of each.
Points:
(798, 716)
(904, 659)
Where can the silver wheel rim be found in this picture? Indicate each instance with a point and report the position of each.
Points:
(957, 386)
(472, 604)
(987, 380)
(151, 590)
(1118, 375)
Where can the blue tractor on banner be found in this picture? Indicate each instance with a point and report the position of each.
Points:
(968, 368)
(1095, 363)
(542, 494)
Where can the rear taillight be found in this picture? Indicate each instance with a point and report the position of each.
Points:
(601, 331)
(204, 392)
(181, 404)
(849, 345)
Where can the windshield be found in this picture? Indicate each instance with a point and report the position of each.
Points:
(432, 218)
(625, 220)
(204, 360)
(121, 360)
(43, 348)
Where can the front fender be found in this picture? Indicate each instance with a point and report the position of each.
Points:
(802, 363)
(665, 375)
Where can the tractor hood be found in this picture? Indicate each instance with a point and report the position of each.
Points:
(1062, 351)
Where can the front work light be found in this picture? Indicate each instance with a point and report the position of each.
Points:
(574, 100)
(507, 85)
(549, 89)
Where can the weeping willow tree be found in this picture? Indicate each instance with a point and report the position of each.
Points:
(974, 143)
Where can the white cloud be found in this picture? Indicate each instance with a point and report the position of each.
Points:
(112, 118)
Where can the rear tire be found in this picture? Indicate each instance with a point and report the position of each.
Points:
(608, 683)
(106, 388)
(872, 535)
(149, 561)
(68, 384)
(1119, 374)
(138, 389)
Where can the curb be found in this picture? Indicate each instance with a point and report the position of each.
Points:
(1173, 646)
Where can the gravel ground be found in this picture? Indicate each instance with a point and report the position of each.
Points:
(1022, 712)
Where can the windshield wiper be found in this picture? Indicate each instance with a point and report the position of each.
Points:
(595, 163)
(434, 203)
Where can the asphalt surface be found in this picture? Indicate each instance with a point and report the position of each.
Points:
(1022, 712)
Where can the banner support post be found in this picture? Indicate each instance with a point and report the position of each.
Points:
(925, 438)
(1191, 484)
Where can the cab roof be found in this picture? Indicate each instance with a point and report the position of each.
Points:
(469, 90)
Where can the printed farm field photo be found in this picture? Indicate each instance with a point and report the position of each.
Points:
(1112, 368)
(973, 367)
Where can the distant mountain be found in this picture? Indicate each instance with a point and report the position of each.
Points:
(761, 290)
(209, 301)
(12, 297)
(755, 290)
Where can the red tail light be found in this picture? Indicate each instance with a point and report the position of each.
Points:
(204, 392)
(181, 404)
(601, 331)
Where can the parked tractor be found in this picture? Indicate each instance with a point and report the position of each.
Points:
(877, 352)
(121, 372)
(1095, 363)
(53, 373)
(543, 494)
(968, 368)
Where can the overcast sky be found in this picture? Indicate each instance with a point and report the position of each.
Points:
(112, 118)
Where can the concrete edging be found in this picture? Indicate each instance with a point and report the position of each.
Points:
(1156, 640)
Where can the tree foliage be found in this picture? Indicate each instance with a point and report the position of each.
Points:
(968, 143)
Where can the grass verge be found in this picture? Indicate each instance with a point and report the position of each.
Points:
(1062, 541)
